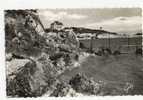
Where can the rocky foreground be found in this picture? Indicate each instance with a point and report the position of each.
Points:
(39, 77)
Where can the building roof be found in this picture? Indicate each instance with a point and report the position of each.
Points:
(57, 22)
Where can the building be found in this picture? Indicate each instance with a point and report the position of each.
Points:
(56, 25)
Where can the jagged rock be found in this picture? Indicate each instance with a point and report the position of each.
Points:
(26, 78)
(13, 68)
(8, 57)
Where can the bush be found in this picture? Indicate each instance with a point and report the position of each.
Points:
(139, 51)
(117, 52)
(82, 84)
(61, 90)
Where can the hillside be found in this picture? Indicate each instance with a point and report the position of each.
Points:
(121, 74)
(87, 30)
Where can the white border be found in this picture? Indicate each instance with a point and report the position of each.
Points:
(42, 4)
(27, 4)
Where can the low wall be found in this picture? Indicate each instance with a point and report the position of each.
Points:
(114, 43)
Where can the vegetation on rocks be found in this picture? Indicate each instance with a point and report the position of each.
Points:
(82, 84)
(43, 61)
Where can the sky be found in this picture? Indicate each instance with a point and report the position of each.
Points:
(120, 20)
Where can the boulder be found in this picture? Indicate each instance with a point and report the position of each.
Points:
(28, 78)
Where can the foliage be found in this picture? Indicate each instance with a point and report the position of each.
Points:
(82, 84)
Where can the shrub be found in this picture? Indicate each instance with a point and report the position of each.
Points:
(82, 84)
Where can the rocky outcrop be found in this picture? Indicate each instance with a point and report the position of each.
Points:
(26, 77)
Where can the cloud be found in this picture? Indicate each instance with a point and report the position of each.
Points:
(76, 16)
(120, 24)
(51, 16)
